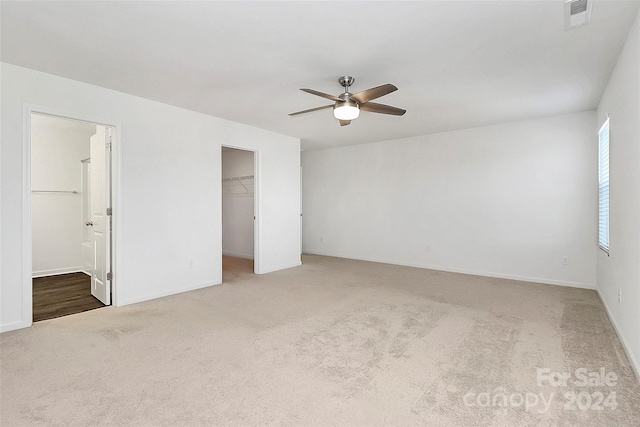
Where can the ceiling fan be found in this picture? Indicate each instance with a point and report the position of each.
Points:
(347, 106)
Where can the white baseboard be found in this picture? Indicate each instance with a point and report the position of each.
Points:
(634, 362)
(56, 271)
(544, 281)
(12, 326)
(237, 255)
(156, 295)
(148, 297)
(284, 267)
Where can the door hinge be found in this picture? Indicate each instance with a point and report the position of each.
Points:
(109, 276)
(109, 212)
(108, 146)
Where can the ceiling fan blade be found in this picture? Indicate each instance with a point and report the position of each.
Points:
(373, 93)
(311, 110)
(344, 122)
(322, 94)
(373, 107)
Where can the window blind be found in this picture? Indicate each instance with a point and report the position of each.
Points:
(603, 186)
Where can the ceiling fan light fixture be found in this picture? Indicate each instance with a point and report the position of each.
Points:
(347, 110)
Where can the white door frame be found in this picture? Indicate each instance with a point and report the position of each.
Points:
(256, 204)
(27, 255)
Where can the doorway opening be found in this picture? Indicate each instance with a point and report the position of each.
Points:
(71, 216)
(238, 213)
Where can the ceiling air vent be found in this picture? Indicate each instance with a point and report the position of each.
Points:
(576, 13)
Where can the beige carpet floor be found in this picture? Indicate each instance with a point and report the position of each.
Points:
(333, 342)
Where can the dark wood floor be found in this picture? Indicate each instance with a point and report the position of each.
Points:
(61, 295)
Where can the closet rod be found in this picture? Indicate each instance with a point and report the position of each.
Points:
(56, 191)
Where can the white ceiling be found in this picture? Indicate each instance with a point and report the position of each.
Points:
(457, 64)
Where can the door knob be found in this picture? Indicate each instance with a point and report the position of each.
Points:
(88, 223)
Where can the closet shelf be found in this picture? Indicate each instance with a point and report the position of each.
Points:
(238, 186)
(237, 178)
(56, 191)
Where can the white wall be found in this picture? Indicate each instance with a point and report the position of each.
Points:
(237, 203)
(508, 200)
(57, 147)
(168, 203)
(621, 270)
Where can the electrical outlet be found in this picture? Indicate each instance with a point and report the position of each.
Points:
(190, 264)
(619, 296)
(565, 260)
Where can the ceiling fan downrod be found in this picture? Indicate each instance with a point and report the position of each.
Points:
(346, 81)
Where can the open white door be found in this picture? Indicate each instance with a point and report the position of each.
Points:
(100, 222)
